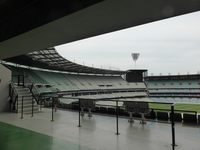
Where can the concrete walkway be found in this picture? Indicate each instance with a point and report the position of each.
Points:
(98, 133)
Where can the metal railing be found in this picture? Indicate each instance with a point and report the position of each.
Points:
(20, 79)
(13, 98)
(22, 106)
(31, 88)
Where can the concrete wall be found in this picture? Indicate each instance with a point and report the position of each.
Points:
(5, 78)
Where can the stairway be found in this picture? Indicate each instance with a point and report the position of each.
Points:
(27, 100)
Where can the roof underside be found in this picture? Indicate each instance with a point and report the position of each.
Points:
(50, 59)
(30, 25)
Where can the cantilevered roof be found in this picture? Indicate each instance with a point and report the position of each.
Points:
(29, 25)
(50, 59)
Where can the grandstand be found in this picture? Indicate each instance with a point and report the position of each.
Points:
(183, 90)
(128, 94)
(131, 94)
(98, 84)
(71, 84)
(67, 82)
(179, 86)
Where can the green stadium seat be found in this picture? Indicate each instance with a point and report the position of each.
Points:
(137, 115)
(75, 106)
(122, 112)
(177, 117)
(111, 111)
(162, 116)
(103, 110)
(151, 115)
(96, 109)
(190, 118)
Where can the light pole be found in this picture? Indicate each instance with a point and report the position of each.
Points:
(135, 57)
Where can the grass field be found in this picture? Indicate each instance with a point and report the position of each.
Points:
(187, 107)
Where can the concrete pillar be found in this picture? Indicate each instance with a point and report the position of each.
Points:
(5, 79)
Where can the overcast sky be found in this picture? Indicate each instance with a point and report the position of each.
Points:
(167, 46)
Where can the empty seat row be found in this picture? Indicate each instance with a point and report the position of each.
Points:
(159, 115)
(178, 117)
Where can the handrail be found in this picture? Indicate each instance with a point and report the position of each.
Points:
(12, 87)
(16, 101)
(19, 79)
(31, 90)
(13, 97)
(27, 96)
(22, 107)
(176, 110)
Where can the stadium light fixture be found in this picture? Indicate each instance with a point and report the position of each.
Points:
(135, 57)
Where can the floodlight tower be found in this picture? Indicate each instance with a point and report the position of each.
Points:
(135, 57)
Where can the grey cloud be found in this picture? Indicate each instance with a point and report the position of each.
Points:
(170, 45)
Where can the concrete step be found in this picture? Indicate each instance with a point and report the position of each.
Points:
(36, 108)
(25, 110)
(27, 105)
(27, 100)
(29, 112)
(26, 96)
(22, 89)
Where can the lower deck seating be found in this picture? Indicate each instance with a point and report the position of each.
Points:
(163, 116)
(177, 117)
(111, 111)
(159, 115)
(189, 118)
(122, 112)
(96, 109)
(103, 110)
(136, 115)
(151, 115)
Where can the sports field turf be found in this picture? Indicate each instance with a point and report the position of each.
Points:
(186, 107)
